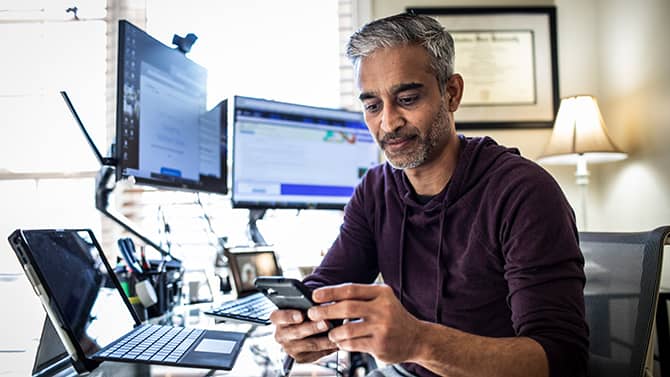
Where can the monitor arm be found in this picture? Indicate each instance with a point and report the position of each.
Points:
(103, 190)
(104, 183)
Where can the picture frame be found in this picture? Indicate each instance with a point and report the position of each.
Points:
(508, 59)
(248, 263)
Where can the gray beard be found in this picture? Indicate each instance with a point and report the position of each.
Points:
(438, 129)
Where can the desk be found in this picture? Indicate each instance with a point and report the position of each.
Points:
(22, 317)
(261, 356)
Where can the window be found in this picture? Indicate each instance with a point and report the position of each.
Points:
(259, 48)
(282, 50)
(46, 167)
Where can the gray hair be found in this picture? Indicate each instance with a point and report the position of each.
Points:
(406, 29)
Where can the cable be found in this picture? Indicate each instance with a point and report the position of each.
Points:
(219, 241)
(334, 365)
(165, 229)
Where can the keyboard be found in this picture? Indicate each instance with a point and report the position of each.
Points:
(153, 342)
(255, 308)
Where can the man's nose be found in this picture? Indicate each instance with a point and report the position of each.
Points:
(392, 119)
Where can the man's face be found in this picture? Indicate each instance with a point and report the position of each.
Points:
(402, 104)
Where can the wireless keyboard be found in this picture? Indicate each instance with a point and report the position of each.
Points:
(255, 309)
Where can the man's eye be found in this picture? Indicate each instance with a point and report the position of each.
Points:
(405, 101)
(371, 107)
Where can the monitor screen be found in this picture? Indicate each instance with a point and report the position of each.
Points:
(164, 135)
(294, 156)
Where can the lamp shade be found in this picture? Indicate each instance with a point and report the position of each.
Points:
(580, 133)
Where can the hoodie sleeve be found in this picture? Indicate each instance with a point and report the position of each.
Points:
(544, 269)
(352, 258)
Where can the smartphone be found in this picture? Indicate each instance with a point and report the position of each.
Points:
(286, 293)
(289, 293)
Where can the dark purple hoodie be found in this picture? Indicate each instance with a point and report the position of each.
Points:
(494, 254)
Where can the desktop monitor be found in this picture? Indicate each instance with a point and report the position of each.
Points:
(164, 135)
(289, 155)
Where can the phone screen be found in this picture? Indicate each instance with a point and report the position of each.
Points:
(286, 293)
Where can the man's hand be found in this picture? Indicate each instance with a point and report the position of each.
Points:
(382, 327)
(291, 331)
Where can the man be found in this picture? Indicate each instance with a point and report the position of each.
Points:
(476, 245)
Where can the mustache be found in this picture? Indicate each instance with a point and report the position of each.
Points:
(398, 134)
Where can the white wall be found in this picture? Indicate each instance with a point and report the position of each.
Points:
(635, 96)
(634, 78)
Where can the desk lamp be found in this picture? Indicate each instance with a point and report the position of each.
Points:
(580, 137)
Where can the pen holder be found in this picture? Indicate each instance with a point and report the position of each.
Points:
(168, 285)
(128, 283)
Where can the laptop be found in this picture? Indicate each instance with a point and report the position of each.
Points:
(251, 306)
(93, 317)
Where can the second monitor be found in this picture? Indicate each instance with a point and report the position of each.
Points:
(295, 156)
(164, 135)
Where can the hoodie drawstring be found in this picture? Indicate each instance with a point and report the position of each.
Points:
(438, 263)
(402, 249)
(438, 258)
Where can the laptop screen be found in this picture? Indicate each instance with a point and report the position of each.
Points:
(77, 279)
(247, 265)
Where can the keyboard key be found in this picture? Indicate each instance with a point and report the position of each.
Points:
(153, 342)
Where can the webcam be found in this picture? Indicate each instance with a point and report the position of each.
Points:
(184, 44)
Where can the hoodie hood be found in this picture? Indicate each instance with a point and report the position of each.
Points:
(476, 157)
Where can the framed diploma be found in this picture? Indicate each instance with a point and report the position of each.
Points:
(507, 57)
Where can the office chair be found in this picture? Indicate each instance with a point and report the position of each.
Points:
(623, 273)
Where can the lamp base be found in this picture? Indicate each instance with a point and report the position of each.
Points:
(582, 172)
(582, 176)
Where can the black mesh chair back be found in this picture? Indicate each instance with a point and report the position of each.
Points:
(623, 273)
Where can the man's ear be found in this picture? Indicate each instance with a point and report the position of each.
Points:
(455, 91)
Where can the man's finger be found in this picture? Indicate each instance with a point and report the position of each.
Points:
(286, 317)
(350, 330)
(347, 291)
(300, 331)
(315, 344)
(362, 344)
(341, 310)
(309, 357)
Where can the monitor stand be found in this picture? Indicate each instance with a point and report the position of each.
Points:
(103, 189)
(255, 235)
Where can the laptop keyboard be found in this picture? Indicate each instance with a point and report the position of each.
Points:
(153, 342)
(255, 309)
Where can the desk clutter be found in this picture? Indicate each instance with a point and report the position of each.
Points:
(153, 287)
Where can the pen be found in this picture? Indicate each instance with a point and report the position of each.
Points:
(145, 264)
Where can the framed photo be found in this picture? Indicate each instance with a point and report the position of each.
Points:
(507, 57)
(247, 265)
